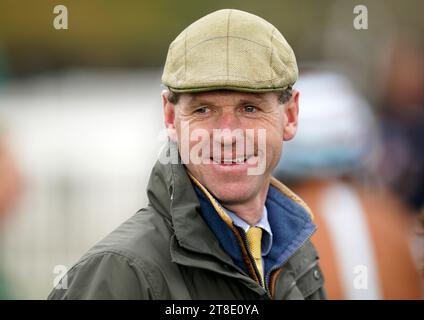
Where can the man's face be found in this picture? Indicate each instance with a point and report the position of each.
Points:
(224, 137)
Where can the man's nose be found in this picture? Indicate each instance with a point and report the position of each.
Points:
(227, 125)
(228, 120)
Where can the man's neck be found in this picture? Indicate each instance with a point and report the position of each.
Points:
(250, 211)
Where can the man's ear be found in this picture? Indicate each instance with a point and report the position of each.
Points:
(291, 112)
(169, 115)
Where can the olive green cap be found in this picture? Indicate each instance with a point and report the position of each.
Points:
(232, 50)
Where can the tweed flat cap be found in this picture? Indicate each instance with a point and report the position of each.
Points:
(233, 50)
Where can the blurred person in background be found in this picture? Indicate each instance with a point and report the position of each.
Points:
(401, 112)
(9, 179)
(9, 191)
(364, 232)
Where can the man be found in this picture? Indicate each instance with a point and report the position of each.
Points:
(217, 225)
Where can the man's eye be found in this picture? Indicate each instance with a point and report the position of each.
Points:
(202, 110)
(249, 109)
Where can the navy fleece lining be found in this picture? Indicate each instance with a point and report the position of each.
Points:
(291, 226)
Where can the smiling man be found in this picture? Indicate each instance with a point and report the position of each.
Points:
(217, 225)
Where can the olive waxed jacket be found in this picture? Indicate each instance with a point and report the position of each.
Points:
(183, 246)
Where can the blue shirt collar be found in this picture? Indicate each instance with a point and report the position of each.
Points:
(263, 223)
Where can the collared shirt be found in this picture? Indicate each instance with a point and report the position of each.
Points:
(263, 223)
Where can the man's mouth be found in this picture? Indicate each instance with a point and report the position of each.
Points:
(231, 161)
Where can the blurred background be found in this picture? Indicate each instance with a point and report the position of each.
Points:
(81, 124)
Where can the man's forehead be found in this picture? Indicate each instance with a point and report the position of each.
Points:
(225, 96)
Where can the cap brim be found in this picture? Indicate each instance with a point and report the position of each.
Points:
(230, 88)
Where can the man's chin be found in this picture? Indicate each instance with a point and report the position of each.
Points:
(231, 188)
(232, 193)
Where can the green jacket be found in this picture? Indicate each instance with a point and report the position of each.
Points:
(170, 250)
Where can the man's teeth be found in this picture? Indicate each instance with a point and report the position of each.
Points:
(230, 160)
(237, 160)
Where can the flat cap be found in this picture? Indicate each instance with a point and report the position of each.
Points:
(233, 50)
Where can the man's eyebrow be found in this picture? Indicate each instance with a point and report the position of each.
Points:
(197, 100)
(254, 97)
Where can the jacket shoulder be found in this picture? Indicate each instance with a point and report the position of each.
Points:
(301, 276)
(105, 275)
(142, 237)
(129, 263)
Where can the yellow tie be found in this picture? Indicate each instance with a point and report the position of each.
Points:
(254, 237)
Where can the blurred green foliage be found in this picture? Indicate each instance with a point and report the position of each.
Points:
(134, 33)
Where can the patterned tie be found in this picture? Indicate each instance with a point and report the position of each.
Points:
(254, 237)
